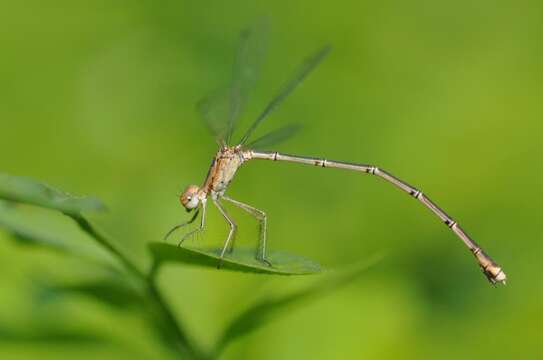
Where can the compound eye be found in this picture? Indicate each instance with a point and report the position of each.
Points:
(189, 199)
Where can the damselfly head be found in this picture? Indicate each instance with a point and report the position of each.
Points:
(189, 198)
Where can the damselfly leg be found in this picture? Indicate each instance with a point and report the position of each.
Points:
(231, 233)
(262, 220)
(198, 229)
(177, 227)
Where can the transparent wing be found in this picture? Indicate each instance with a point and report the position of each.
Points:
(221, 109)
(249, 58)
(308, 65)
(214, 110)
(275, 137)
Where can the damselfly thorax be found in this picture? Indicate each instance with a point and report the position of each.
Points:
(224, 167)
(220, 111)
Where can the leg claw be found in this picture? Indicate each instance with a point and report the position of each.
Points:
(265, 262)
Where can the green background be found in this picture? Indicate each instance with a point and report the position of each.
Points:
(98, 98)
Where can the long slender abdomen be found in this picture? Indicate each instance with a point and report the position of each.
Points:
(491, 269)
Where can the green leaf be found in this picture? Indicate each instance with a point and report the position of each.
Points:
(24, 234)
(27, 236)
(24, 190)
(114, 292)
(241, 260)
(49, 336)
(263, 311)
(27, 231)
(28, 191)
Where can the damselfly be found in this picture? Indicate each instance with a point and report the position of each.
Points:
(220, 112)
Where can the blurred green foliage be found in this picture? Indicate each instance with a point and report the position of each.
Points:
(133, 288)
(99, 97)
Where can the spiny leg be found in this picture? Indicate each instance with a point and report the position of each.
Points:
(182, 225)
(197, 230)
(231, 233)
(262, 219)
